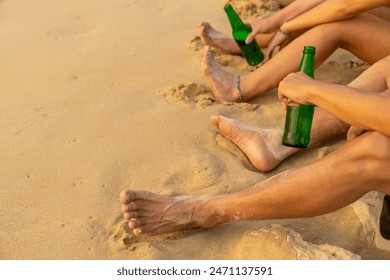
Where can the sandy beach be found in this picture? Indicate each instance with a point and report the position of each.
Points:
(100, 96)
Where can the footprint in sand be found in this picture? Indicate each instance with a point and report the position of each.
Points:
(200, 171)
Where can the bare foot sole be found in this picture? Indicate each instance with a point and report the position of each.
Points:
(151, 214)
(222, 83)
(213, 38)
(262, 146)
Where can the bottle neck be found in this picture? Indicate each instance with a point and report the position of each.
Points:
(234, 19)
(307, 62)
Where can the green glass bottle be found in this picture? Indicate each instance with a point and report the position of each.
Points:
(251, 51)
(299, 119)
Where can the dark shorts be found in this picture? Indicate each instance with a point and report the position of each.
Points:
(384, 222)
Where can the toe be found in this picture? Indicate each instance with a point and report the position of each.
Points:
(130, 215)
(129, 211)
(129, 207)
(137, 231)
(215, 121)
(134, 223)
(126, 196)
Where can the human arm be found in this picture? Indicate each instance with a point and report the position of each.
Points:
(325, 12)
(272, 23)
(368, 110)
(330, 11)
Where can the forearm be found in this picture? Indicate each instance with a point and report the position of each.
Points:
(330, 11)
(293, 10)
(367, 110)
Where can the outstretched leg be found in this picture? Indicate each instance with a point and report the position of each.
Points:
(323, 186)
(360, 35)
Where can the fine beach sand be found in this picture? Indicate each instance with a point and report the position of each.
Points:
(99, 96)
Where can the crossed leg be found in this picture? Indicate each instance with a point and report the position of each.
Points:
(312, 190)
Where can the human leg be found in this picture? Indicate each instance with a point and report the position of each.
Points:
(225, 43)
(321, 187)
(263, 147)
(361, 35)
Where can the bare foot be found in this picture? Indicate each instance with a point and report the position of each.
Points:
(151, 214)
(222, 83)
(263, 147)
(213, 38)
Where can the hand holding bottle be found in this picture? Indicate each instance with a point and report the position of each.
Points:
(240, 31)
(261, 25)
(294, 89)
(299, 119)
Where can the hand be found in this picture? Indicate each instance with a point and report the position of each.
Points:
(260, 25)
(294, 89)
(277, 40)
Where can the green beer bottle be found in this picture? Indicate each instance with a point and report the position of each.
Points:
(252, 51)
(299, 118)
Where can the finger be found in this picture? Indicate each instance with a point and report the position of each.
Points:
(293, 104)
(250, 20)
(350, 135)
(284, 106)
(268, 53)
(250, 38)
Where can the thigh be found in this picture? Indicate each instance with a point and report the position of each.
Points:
(376, 78)
(366, 36)
(371, 153)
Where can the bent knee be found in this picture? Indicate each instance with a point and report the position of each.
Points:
(370, 154)
(379, 143)
(380, 159)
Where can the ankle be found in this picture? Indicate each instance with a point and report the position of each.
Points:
(210, 213)
(247, 90)
(238, 89)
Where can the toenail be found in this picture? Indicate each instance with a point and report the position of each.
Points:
(132, 206)
(128, 196)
